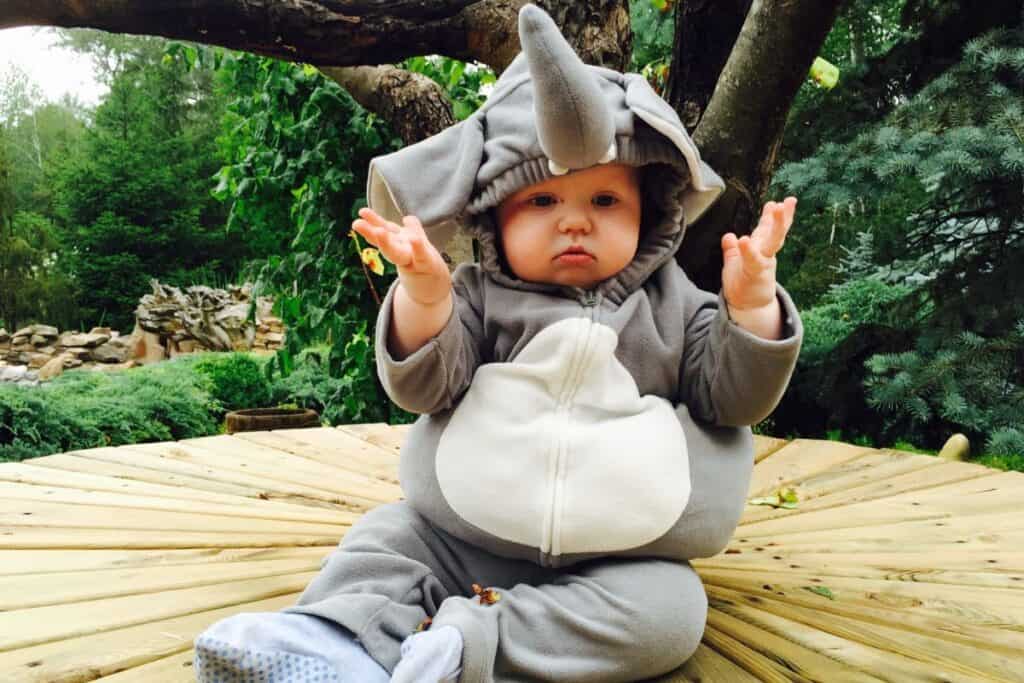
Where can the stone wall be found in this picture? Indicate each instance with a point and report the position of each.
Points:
(169, 322)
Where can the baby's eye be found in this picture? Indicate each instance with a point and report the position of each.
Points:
(605, 200)
(541, 201)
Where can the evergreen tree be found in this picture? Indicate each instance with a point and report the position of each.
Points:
(937, 184)
(135, 201)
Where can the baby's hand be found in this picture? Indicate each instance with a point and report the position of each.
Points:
(423, 272)
(748, 271)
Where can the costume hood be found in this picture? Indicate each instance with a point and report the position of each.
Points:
(549, 114)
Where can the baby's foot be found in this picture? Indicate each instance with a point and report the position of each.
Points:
(280, 647)
(430, 656)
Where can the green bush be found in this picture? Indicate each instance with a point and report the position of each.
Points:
(92, 409)
(348, 399)
(236, 380)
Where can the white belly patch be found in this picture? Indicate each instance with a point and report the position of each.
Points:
(557, 449)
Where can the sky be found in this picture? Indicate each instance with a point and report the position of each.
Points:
(54, 70)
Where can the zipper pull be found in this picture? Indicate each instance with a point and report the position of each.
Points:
(589, 299)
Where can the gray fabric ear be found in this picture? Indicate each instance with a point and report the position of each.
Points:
(705, 185)
(432, 179)
(574, 124)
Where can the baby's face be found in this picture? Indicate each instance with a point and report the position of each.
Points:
(576, 230)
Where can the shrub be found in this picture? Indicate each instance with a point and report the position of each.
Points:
(82, 409)
(236, 380)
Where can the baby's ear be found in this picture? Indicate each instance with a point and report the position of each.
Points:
(432, 179)
(705, 185)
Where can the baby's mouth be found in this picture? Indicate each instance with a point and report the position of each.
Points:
(575, 254)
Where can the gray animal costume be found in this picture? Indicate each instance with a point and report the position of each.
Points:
(576, 447)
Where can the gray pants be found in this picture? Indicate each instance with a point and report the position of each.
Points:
(613, 619)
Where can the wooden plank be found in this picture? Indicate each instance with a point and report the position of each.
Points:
(798, 460)
(246, 508)
(998, 569)
(71, 462)
(762, 668)
(25, 473)
(34, 513)
(269, 484)
(86, 658)
(32, 537)
(17, 562)
(390, 437)
(37, 625)
(330, 446)
(174, 669)
(707, 665)
(245, 458)
(988, 618)
(871, 472)
(237, 451)
(803, 660)
(902, 653)
(27, 591)
(766, 445)
(997, 492)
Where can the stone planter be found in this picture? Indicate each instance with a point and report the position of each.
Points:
(266, 419)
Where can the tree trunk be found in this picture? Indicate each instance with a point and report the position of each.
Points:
(705, 31)
(740, 132)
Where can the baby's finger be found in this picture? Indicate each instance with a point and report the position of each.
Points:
(753, 262)
(775, 234)
(394, 246)
(729, 244)
(375, 219)
(369, 232)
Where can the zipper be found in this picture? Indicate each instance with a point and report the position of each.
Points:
(589, 300)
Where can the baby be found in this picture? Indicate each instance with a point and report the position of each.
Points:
(585, 409)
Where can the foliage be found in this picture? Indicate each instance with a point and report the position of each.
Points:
(653, 30)
(300, 148)
(33, 137)
(466, 85)
(127, 219)
(84, 409)
(967, 383)
(931, 199)
(339, 400)
(236, 380)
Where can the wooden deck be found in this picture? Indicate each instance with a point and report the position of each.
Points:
(893, 566)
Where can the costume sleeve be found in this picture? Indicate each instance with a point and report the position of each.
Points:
(433, 377)
(730, 376)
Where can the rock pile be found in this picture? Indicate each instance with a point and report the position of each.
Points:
(203, 318)
(40, 352)
(169, 322)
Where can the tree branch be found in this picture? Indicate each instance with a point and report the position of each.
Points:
(740, 133)
(324, 32)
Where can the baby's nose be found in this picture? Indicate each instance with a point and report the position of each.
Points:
(574, 221)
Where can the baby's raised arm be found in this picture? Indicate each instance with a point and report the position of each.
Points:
(423, 299)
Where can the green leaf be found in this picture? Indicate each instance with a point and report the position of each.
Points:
(820, 590)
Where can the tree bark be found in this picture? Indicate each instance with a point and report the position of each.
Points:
(705, 32)
(740, 132)
(323, 33)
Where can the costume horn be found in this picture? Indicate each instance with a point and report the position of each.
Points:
(574, 123)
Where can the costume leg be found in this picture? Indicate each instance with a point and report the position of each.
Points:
(393, 570)
(609, 620)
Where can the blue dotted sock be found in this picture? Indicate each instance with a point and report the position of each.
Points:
(278, 647)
